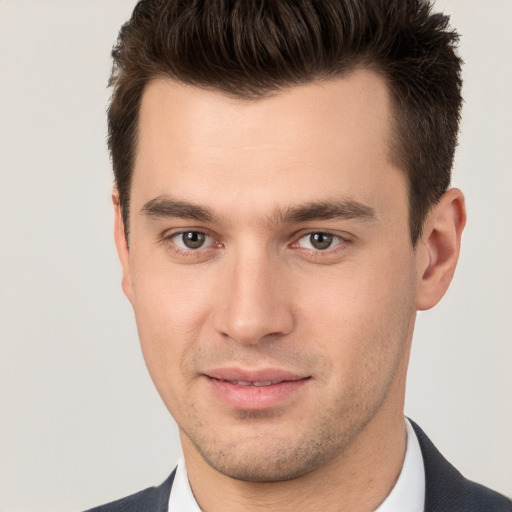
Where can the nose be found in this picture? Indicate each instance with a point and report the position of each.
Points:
(254, 301)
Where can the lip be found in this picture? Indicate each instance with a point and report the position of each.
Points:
(255, 390)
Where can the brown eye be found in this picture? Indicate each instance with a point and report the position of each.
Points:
(191, 239)
(319, 241)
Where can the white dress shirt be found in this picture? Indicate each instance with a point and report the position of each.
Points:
(408, 494)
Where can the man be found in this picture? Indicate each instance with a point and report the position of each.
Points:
(282, 211)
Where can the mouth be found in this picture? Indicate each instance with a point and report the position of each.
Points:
(253, 383)
(256, 390)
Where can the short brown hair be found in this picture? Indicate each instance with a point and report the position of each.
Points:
(250, 48)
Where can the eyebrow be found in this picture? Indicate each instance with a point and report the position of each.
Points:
(165, 206)
(327, 210)
(345, 209)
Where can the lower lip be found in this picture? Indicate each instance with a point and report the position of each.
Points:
(256, 398)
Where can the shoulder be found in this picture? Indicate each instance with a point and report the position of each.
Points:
(153, 499)
(447, 490)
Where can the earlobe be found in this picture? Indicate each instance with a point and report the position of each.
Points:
(122, 246)
(438, 249)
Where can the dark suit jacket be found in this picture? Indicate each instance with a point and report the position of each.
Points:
(446, 490)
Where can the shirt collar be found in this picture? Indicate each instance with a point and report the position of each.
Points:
(181, 498)
(409, 491)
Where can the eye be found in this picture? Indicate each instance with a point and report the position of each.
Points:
(190, 240)
(319, 241)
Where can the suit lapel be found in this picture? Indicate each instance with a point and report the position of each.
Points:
(444, 485)
(162, 494)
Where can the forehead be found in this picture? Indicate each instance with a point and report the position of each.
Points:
(358, 102)
(304, 141)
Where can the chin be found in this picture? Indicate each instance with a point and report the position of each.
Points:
(266, 467)
(268, 457)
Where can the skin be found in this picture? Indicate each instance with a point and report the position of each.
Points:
(259, 294)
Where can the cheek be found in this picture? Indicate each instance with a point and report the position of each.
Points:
(168, 298)
(171, 309)
(362, 316)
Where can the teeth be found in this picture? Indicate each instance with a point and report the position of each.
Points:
(241, 383)
(257, 384)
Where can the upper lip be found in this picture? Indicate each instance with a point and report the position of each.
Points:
(261, 375)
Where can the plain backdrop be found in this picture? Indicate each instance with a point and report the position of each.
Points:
(80, 422)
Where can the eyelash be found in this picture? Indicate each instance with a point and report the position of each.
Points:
(169, 240)
(337, 240)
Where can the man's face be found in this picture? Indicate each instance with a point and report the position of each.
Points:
(271, 270)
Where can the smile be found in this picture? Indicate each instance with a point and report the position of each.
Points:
(254, 383)
(253, 390)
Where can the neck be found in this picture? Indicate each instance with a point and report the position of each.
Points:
(360, 479)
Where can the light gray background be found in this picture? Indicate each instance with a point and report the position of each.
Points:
(80, 422)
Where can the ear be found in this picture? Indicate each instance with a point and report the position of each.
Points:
(122, 246)
(438, 249)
